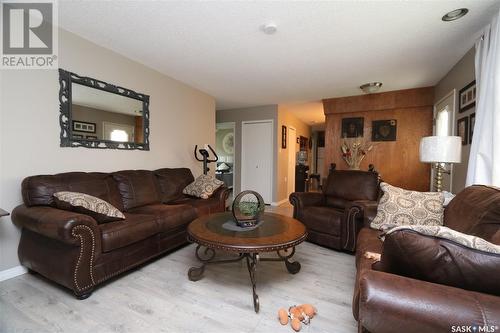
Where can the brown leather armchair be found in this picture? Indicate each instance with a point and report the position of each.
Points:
(335, 216)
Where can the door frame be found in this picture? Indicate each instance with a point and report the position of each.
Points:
(453, 93)
(272, 143)
(291, 150)
(229, 125)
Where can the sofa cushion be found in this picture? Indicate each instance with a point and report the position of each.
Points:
(202, 207)
(135, 228)
(203, 187)
(39, 190)
(476, 211)
(169, 217)
(399, 207)
(435, 259)
(99, 209)
(336, 202)
(352, 185)
(172, 181)
(137, 188)
(322, 219)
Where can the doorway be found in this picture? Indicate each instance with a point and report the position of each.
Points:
(118, 132)
(224, 147)
(291, 144)
(257, 157)
(444, 118)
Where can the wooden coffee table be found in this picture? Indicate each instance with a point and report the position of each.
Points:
(276, 233)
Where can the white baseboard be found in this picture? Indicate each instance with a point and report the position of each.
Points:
(279, 202)
(12, 272)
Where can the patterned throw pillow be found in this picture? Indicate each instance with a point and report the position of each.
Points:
(203, 187)
(399, 207)
(100, 210)
(469, 241)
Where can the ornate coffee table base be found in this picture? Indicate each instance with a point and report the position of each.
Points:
(207, 256)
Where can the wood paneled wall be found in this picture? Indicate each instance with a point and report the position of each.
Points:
(397, 161)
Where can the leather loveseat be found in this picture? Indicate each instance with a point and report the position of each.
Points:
(412, 297)
(75, 251)
(334, 217)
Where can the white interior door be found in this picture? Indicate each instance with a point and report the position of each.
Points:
(257, 157)
(444, 118)
(291, 146)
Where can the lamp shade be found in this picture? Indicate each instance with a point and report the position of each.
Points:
(441, 149)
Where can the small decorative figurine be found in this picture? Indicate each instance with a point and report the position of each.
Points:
(298, 315)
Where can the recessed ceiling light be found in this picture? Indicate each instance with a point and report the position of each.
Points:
(371, 87)
(455, 14)
(269, 28)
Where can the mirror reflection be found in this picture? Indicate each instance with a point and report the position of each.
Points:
(102, 115)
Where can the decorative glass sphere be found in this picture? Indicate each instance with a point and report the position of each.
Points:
(248, 209)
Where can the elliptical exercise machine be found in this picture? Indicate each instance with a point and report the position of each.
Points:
(205, 157)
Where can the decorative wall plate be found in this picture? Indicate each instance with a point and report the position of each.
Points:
(228, 143)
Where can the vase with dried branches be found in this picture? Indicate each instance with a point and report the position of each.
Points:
(354, 151)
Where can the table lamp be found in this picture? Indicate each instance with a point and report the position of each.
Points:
(440, 150)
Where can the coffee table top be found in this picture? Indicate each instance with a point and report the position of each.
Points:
(275, 232)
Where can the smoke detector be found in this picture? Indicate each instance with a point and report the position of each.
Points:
(269, 28)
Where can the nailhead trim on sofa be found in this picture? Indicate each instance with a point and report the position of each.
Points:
(82, 243)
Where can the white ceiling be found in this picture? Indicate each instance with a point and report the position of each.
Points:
(321, 49)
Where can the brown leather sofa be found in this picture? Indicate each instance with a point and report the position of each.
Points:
(334, 217)
(427, 284)
(75, 251)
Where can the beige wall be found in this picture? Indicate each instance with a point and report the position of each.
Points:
(458, 77)
(181, 117)
(286, 118)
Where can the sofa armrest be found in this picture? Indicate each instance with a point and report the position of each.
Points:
(369, 210)
(74, 229)
(391, 304)
(354, 213)
(301, 200)
(433, 259)
(62, 225)
(222, 193)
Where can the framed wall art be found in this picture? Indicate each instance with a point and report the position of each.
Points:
(83, 126)
(467, 97)
(283, 137)
(472, 121)
(384, 130)
(463, 130)
(352, 127)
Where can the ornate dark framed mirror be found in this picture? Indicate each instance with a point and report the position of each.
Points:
(96, 114)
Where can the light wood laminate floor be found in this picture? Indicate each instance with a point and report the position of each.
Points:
(158, 297)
